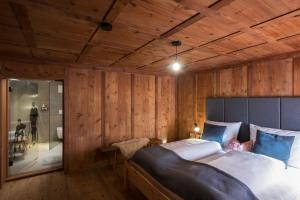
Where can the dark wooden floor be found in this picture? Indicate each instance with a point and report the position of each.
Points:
(99, 183)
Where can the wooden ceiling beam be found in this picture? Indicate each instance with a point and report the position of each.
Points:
(212, 12)
(110, 16)
(195, 18)
(188, 22)
(114, 11)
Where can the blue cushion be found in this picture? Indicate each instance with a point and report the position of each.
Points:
(275, 146)
(213, 133)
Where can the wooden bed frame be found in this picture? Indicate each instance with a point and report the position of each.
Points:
(145, 183)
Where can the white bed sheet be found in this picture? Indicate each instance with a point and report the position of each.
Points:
(267, 178)
(193, 149)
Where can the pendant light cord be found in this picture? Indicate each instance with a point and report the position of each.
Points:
(176, 54)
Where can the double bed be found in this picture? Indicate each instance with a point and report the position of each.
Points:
(205, 169)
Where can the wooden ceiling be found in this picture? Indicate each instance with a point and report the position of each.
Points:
(213, 32)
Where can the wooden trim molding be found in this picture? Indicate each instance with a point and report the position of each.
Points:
(4, 149)
(144, 182)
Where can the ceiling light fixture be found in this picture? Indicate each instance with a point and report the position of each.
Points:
(176, 65)
(105, 26)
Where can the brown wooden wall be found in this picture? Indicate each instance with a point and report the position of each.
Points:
(265, 78)
(102, 107)
(107, 107)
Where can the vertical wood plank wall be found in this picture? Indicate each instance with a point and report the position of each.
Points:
(276, 77)
(102, 107)
(134, 106)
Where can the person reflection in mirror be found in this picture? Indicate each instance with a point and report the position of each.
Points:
(20, 128)
(34, 113)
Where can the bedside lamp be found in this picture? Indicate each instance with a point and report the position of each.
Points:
(196, 128)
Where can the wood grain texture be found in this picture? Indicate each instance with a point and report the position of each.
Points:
(144, 106)
(271, 78)
(68, 31)
(206, 87)
(232, 82)
(296, 74)
(93, 184)
(117, 107)
(3, 132)
(186, 105)
(84, 117)
(102, 107)
(266, 78)
(165, 108)
(13, 69)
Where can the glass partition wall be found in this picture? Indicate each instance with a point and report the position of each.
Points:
(35, 130)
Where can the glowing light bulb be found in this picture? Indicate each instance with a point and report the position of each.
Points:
(197, 129)
(176, 66)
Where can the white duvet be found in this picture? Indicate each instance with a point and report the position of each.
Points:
(267, 178)
(193, 149)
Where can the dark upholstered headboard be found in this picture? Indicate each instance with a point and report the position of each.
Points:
(279, 112)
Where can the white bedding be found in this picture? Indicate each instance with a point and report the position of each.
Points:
(193, 149)
(266, 177)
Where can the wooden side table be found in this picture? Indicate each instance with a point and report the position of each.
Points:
(111, 152)
(154, 142)
(195, 135)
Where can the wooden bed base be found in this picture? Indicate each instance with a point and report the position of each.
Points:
(145, 183)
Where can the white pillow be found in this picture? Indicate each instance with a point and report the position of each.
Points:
(231, 131)
(294, 160)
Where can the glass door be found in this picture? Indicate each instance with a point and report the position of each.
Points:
(35, 126)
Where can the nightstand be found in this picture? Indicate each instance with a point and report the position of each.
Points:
(195, 135)
(111, 153)
(154, 142)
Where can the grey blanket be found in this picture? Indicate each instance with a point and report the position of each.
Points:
(190, 180)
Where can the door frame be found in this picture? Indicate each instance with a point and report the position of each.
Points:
(4, 136)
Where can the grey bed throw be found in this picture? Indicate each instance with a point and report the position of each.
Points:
(190, 180)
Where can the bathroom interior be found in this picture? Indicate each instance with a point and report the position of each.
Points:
(35, 126)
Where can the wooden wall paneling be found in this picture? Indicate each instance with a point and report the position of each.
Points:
(117, 107)
(3, 131)
(232, 82)
(165, 108)
(1, 134)
(32, 70)
(206, 87)
(296, 74)
(66, 114)
(84, 117)
(186, 105)
(144, 106)
(271, 78)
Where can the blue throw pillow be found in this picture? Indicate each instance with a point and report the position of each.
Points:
(275, 146)
(213, 133)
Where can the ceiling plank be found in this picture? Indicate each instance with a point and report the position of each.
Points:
(212, 11)
(195, 18)
(112, 13)
(21, 15)
(190, 21)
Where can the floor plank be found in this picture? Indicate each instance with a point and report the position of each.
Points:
(100, 183)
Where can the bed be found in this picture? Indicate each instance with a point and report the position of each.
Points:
(257, 176)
